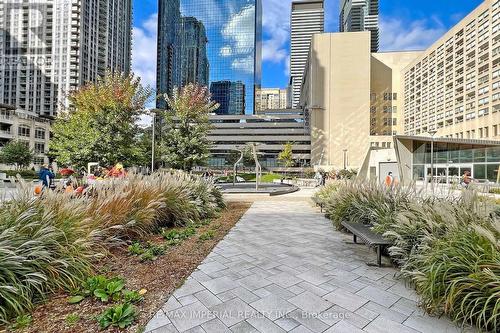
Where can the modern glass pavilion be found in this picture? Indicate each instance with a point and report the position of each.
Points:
(451, 158)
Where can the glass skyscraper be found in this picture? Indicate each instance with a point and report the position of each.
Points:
(216, 39)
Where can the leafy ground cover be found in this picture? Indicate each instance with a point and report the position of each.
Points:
(448, 249)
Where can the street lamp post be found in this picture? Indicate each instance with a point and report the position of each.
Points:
(345, 159)
(432, 133)
(153, 144)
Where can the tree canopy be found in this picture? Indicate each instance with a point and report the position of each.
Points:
(101, 125)
(285, 157)
(17, 153)
(184, 140)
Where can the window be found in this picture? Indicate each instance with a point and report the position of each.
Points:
(394, 96)
(39, 160)
(24, 131)
(39, 148)
(40, 133)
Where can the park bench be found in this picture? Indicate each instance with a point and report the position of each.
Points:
(370, 238)
(318, 203)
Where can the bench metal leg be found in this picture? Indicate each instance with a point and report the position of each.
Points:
(355, 238)
(379, 256)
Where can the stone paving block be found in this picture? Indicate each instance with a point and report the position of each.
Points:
(313, 289)
(273, 307)
(344, 327)
(243, 327)
(296, 289)
(245, 294)
(159, 319)
(262, 292)
(226, 296)
(164, 329)
(196, 329)
(279, 291)
(265, 325)
(171, 304)
(379, 296)
(207, 298)
(383, 325)
(211, 267)
(220, 284)
(382, 311)
(186, 300)
(189, 287)
(215, 325)
(284, 279)
(308, 320)
(286, 323)
(427, 324)
(189, 316)
(233, 311)
(315, 277)
(253, 282)
(346, 299)
(301, 329)
(310, 302)
(337, 313)
(403, 291)
(405, 306)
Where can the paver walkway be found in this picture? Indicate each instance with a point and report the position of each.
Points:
(283, 268)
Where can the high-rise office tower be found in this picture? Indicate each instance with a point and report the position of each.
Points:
(307, 19)
(49, 48)
(194, 67)
(360, 15)
(230, 95)
(233, 45)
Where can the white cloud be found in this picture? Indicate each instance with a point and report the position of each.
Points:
(276, 26)
(398, 35)
(226, 51)
(243, 64)
(144, 50)
(242, 43)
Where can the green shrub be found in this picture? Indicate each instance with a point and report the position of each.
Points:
(72, 319)
(21, 322)
(210, 234)
(121, 315)
(55, 238)
(448, 248)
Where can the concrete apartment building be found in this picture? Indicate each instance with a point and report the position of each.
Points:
(353, 97)
(454, 86)
(361, 15)
(27, 127)
(374, 108)
(307, 18)
(271, 99)
(49, 48)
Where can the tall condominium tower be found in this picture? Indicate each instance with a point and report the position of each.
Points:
(307, 18)
(230, 95)
(50, 47)
(360, 15)
(211, 42)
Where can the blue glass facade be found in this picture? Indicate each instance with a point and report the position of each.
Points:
(233, 45)
(230, 95)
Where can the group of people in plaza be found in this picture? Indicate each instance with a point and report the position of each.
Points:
(76, 183)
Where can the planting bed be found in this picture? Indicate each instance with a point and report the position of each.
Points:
(159, 278)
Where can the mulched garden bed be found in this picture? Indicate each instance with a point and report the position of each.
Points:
(160, 278)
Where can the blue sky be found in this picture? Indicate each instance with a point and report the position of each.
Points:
(405, 25)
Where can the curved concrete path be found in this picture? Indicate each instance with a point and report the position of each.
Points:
(283, 268)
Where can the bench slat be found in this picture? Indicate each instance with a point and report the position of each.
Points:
(365, 233)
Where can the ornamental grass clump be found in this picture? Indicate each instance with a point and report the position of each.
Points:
(50, 243)
(448, 248)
